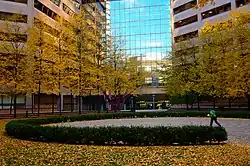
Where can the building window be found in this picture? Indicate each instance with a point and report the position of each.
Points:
(240, 3)
(68, 10)
(76, 3)
(5, 16)
(155, 81)
(11, 37)
(186, 21)
(186, 36)
(184, 7)
(215, 11)
(41, 7)
(18, 1)
(148, 81)
(6, 102)
(100, 6)
(56, 2)
(187, 51)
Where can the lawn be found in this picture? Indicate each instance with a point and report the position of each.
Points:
(20, 152)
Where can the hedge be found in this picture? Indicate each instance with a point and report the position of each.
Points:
(160, 135)
(32, 129)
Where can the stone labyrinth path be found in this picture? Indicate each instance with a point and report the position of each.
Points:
(238, 129)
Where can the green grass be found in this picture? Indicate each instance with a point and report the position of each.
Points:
(20, 152)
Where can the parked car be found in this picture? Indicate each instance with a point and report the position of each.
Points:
(163, 105)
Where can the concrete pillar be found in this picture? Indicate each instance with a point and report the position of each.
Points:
(233, 3)
(29, 101)
(30, 12)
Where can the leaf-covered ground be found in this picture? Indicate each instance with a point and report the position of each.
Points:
(20, 152)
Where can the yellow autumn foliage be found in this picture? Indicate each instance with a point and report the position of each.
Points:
(214, 64)
(21, 153)
(14, 69)
(226, 48)
(121, 74)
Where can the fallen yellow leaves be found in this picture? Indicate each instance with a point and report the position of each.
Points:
(20, 152)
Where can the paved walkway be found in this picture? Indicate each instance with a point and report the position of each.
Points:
(238, 129)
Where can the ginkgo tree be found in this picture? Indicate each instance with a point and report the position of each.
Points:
(229, 48)
(220, 67)
(121, 76)
(77, 49)
(14, 69)
(211, 61)
(181, 76)
(66, 56)
(43, 58)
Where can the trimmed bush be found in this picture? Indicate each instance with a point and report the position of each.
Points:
(31, 129)
(160, 135)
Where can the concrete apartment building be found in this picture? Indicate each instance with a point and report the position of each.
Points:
(96, 10)
(187, 21)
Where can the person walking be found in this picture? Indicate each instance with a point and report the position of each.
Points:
(213, 118)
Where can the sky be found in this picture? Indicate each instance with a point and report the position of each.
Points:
(143, 26)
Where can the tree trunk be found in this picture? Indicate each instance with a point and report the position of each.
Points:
(71, 102)
(229, 103)
(107, 107)
(107, 99)
(39, 101)
(213, 102)
(79, 105)
(192, 100)
(133, 102)
(11, 104)
(60, 103)
(198, 102)
(32, 103)
(213, 96)
(39, 83)
(53, 103)
(121, 103)
(15, 106)
(123, 100)
(106, 103)
(186, 101)
(117, 102)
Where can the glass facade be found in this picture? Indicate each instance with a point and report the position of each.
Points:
(143, 27)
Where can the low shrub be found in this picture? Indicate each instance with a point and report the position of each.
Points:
(134, 135)
(31, 129)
